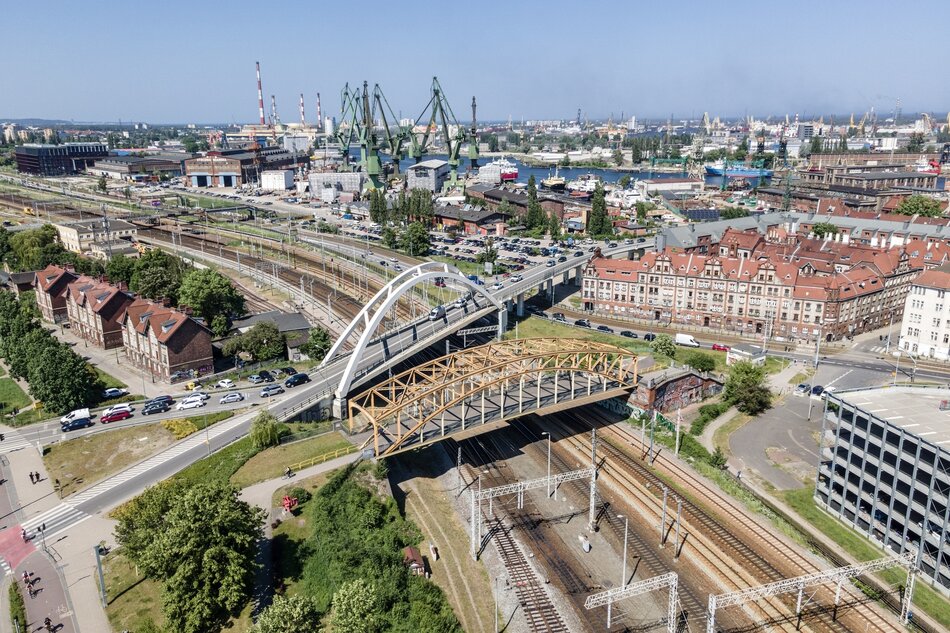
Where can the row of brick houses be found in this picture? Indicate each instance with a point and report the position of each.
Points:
(777, 284)
(157, 338)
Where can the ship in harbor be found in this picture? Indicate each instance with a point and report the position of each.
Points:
(555, 182)
(584, 184)
(499, 170)
(736, 170)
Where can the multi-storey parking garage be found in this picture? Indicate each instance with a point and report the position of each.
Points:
(886, 472)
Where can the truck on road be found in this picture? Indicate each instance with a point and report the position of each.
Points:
(686, 340)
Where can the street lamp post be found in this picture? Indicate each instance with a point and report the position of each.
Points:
(626, 525)
(545, 433)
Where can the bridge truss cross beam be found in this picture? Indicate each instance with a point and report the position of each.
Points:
(493, 382)
(670, 580)
(838, 576)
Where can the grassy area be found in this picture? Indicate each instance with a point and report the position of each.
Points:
(183, 427)
(132, 599)
(469, 268)
(81, 462)
(12, 396)
(800, 377)
(220, 466)
(109, 380)
(534, 327)
(925, 598)
(270, 463)
(774, 364)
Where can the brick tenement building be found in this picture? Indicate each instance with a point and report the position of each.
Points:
(51, 287)
(785, 287)
(162, 340)
(95, 310)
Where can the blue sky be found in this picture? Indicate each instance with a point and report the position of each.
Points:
(178, 61)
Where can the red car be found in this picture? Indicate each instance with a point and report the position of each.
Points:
(115, 417)
(719, 347)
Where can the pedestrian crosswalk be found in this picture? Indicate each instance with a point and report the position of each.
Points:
(12, 441)
(5, 567)
(53, 521)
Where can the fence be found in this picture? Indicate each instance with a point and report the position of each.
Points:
(313, 461)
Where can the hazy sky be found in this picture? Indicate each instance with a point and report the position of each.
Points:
(193, 61)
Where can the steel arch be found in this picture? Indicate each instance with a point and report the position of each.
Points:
(372, 314)
(421, 395)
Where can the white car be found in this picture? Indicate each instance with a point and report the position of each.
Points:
(226, 383)
(125, 406)
(516, 278)
(189, 403)
(497, 285)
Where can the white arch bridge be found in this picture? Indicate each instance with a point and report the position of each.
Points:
(489, 384)
(396, 346)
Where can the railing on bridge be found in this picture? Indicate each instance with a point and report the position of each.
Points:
(493, 382)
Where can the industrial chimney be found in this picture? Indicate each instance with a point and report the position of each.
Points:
(260, 94)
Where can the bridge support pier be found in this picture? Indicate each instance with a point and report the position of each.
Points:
(578, 275)
(502, 322)
(339, 407)
(520, 309)
(550, 291)
(566, 279)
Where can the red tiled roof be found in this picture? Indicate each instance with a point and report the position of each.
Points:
(50, 275)
(164, 321)
(938, 278)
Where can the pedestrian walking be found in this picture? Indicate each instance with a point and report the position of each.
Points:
(24, 535)
(48, 624)
(39, 477)
(26, 578)
(32, 481)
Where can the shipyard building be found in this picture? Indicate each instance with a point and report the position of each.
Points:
(885, 470)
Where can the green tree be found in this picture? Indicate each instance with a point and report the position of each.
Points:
(701, 361)
(718, 459)
(158, 275)
(642, 209)
(318, 343)
(101, 184)
(731, 213)
(822, 229)
(390, 238)
(554, 225)
(265, 431)
(598, 222)
(535, 217)
(916, 142)
(62, 380)
(288, 614)
(202, 549)
(378, 211)
(262, 342)
(211, 294)
(741, 152)
(35, 248)
(817, 145)
(489, 254)
(624, 181)
(138, 519)
(663, 345)
(618, 157)
(843, 144)
(355, 607)
(566, 161)
(745, 388)
(120, 269)
(416, 240)
(921, 205)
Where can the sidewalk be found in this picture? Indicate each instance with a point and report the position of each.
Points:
(114, 363)
(778, 384)
(49, 594)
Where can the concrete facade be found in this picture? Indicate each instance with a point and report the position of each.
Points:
(885, 471)
(925, 328)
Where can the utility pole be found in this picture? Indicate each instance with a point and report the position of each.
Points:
(545, 433)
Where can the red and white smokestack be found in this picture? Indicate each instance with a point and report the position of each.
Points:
(319, 114)
(303, 121)
(260, 94)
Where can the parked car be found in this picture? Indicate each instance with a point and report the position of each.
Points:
(115, 416)
(266, 375)
(225, 383)
(191, 386)
(155, 407)
(686, 340)
(296, 379)
(604, 328)
(289, 371)
(649, 336)
(582, 323)
(234, 396)
(160, 399)
(125, 406)
(113, 392)
(628, 334)
(802, 389)
(190, 403)
(255, 379)
(271, 390)
(719, 347)
(817, 390)
(78, 423)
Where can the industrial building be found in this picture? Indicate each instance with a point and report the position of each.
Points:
(347, 181)
(429, 175)
(230, 168)
(885, 470)
(277, 180)
(139, 168)
(58, 160)
(80, 237)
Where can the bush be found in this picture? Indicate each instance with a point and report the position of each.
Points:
(265, 431)
(700, 361)
(17, 608)
(180, 427)
(707, 413)
(302, 494)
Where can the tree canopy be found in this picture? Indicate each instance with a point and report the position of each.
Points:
(663, 345)
(262, 342)
(822, 229)
(415, 240)
(921, 205)
(598, 222)
(700, 361)
(318, 343)
(211, 294)
(158, 275)
(745, 388)
(288, 614)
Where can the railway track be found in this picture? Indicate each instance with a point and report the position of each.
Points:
(760, 553)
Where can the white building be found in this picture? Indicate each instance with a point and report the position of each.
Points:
(429, 175)
(277, 179)
(678, 185)
(925, 329)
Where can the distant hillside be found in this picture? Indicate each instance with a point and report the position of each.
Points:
(36, 122)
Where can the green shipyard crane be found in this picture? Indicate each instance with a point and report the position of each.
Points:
(357, 116)
(440, 113)
(395, 135)
(473, 140)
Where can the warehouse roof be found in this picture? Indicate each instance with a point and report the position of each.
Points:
(914, 409)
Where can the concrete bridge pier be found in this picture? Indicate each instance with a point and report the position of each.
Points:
(339, 408)
(567, 277)
(550, 291)
(502, 322)
(520, 305)
(578, 275)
